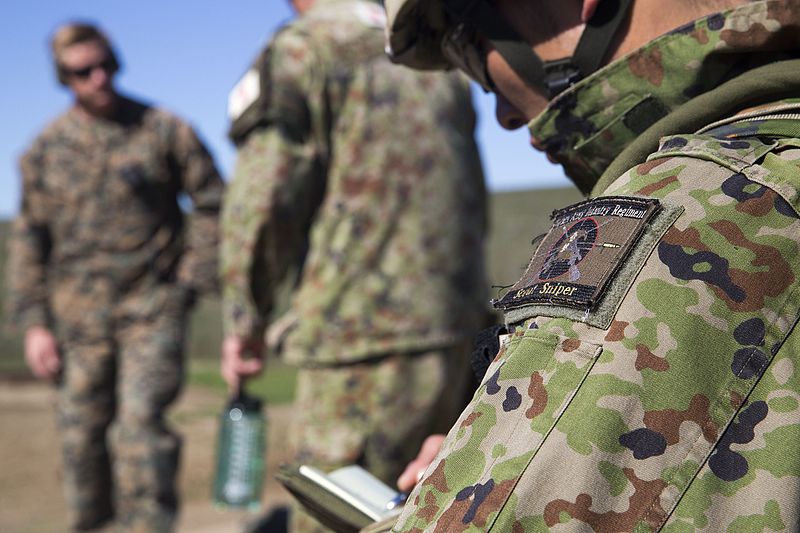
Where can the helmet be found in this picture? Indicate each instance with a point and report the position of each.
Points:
(415, 29)
(435, 34)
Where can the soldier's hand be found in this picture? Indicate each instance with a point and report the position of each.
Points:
(241, 358)
(41, 353)
(413, 472)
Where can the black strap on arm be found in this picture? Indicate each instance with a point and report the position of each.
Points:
(486, 347)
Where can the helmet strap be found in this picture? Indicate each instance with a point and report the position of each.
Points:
(553, 77)
(596, 38)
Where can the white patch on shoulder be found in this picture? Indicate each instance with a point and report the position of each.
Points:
(244, 93)
(371, 15)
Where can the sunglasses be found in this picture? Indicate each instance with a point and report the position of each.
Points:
(106, 65)
(461, 46)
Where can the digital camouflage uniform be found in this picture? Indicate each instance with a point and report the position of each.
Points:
(651, 381)
(373, 170)
(102, 255)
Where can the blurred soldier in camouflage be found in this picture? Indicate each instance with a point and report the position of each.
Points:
(651, 377)
(372, 172)
(102, 270)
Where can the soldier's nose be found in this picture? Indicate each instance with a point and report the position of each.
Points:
(508, 116)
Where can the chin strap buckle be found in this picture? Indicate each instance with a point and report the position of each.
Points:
(560, 75)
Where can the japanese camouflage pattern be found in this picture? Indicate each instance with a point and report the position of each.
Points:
(375, 413)
(586, 127)
(683, 414)
(101, 255)
(371, 174)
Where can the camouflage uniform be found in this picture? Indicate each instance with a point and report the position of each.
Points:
(651, 381)
(373, 170)
(100, 255)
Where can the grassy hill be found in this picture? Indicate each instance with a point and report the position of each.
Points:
(516, 218)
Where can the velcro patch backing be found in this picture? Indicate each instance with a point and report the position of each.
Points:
(584, 248)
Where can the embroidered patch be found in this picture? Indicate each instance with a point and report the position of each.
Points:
(581, 253)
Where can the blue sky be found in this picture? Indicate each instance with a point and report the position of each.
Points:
(185, 56)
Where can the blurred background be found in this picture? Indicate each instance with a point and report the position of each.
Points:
(186, 56)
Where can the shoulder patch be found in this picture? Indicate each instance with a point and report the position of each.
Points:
(249, 100)
(244, 93)
(583, 250)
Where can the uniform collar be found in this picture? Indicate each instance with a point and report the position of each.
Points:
(589, 125)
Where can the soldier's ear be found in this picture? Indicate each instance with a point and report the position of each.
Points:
(588, 9)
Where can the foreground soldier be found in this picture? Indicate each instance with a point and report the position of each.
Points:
(373, 169)
(102, 270)
(651, 377)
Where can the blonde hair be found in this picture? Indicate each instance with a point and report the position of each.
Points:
(74, 33)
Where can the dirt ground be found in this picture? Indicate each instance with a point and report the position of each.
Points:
(30, 492)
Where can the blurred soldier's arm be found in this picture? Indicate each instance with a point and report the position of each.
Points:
(277, 186)
(28, 252)
(200, 180)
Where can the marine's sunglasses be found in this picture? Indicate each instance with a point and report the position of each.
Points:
(107, 65)
(461, 46)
